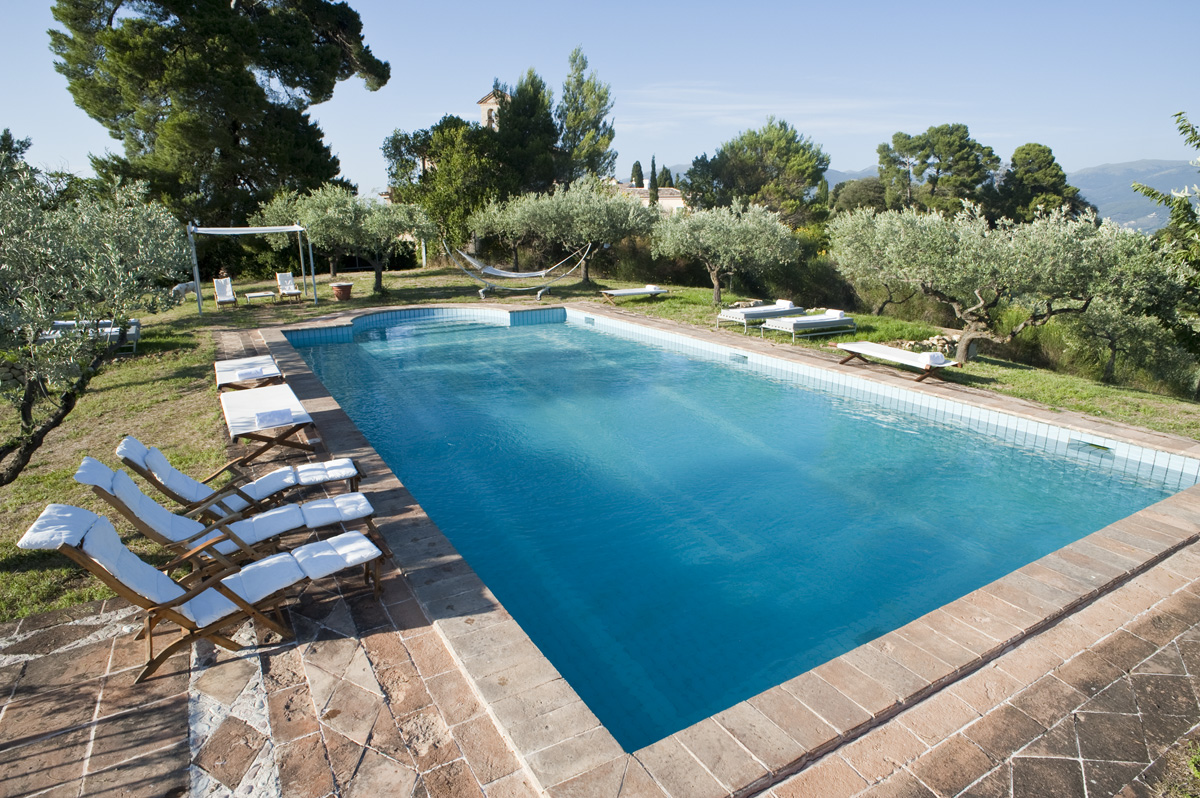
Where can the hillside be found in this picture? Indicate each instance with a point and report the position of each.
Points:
(1109, 188)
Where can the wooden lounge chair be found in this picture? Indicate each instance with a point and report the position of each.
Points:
(831, 322)
(650, 291)
(930, 363)
(202, 606)
(223, 292)
(243, 493)
(287, 285)
(271, 415)
(247, 372)
(232, 538)
(744, 316)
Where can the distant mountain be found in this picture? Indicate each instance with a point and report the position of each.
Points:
(1109, 188)
(833, 176)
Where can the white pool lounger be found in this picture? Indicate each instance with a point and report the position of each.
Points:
(251, 413)
(650, 291)
(247, 372)
(831, 322)
(928, 362)
(744, 316)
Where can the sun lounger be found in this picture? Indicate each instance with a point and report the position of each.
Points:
(287, 285)
(223, 292)
(201, 607)
(650, 291)
(247, 372)
(243, 494)
(252, 413)
(930, 363)
(103, 329)
(744, 316)
(232, 538)
(831, 322)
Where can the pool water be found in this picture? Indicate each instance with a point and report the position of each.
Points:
(678, 535)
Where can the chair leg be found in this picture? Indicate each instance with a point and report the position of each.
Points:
(377, 538)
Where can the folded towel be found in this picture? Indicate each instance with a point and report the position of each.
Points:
(784, 303)
(249, 374)
(653, 288)
(933, 359)
(273, 418)
(835, 314)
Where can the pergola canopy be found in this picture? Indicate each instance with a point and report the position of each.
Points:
(249, 231)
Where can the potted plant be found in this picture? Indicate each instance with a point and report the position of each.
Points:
(341, 291)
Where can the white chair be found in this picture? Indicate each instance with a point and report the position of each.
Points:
(831, 322)
(744, 316)
(649, 290)
(223, 290)
(230, 539)
(247, 372)
(242, 495)
(201, 606)
(928, 362)
(287, 285)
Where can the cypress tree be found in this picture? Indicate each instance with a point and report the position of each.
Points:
(653, 183)
(665, 178)
(636, 176)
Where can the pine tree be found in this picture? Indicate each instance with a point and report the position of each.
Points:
(636, 176)
(653, 183)
(586, 134)
(665, 179)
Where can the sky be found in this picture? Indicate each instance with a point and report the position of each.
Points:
(1097, 82)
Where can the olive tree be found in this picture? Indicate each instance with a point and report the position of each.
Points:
(588, 212)
(1053, 266)
(91, 260)
(728, 240)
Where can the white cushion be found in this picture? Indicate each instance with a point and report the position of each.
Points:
(175, 528)
(331, 471)
(653, 288)
(260, 579)
(92, 472)
(102, 545)
(347, 507)
(130, 448)
(269, 485)
(932, 358)
(835, 314)
(272, 523)
(176, 481)
(326, 557)
(58, 524)
(784, 303)
(208, 607)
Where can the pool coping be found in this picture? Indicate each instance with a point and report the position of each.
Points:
(759, 742)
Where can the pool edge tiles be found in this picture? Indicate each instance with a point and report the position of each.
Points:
(761, 741)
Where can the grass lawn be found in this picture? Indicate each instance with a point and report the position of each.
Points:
(165, 396)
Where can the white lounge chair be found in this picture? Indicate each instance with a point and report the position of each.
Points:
(223, 291)
(242, 495)
(233, 538)
(649, 290)
(287, 285)
(200, 607)
(247, 372)
(744, 316)
(103, 329)
(252, 413)
(831, 322)
(930, 363)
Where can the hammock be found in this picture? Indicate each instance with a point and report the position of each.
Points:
(490, 271)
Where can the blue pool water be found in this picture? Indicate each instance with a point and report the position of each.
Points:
(678, 535)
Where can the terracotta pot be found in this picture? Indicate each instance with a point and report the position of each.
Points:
(341, 291)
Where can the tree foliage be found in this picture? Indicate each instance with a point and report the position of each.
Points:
(1054, 265)
(937, 169)
(665, 178)
(773, 166)
(1033, 180)
(729, 240)
(526, 135)
(12, 153)
(869, 192)
(653, 188)
(581, 115)
(588, 212)
(636, 176)
(84, 261)
(209, 99)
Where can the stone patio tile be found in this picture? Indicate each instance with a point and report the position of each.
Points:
(386, 739)
(404, 688)
(1159, 628)
(673, 766)
(900, 785)
(1059, 741)
(1111, 736)
(428, 739)
(503, 657)
(982, 619)
(451, 781)
(1102, 616)
(330, 652)
(996, 784)
(291, 713)
(1067, 638)
(949, 768)
(1027, 595)
(359, 672)
(1122, 551)
(986, 688)
(230, 751)
(1124, 649)
(161, 774)
(118, 738)
(885, 670)
(41, 765)
(732, 765)
(538, 700)
(926, 638)
(1164, 695)
(762, 738)
(1029, 661)
(1059, 578)
(830, 777)
(936, 717)
(281, 668)
(51, 640)
(344, 757)
(518, 679)
(1163, 731)
(429, 654)
(963, 634)
(1141, 538)
(1048, 699)
(603, 781)
(377, 775)
(63, 668)
(393, 588)
(1088, 673)
(1183, 605)
(454, 697)
(1003, 730)
(1073, 570)
(225, 680)
(518, 785)
(882, 751)
(1161, 582)
(858, 686)
(352, 711)
(912, 657)
(385, 649)
(9, 676)
(1037, 777)
(794, 718)
(1135, 598)
(827, 702)
(1167, 660)
(368, 612)
(1117, 697)
(409, 618)
(51, 712)
(1105, 779)
(574, 756)
(481, 613)
(486, 751)
(551, 728)
(304, 768)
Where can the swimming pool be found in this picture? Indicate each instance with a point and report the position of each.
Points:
(663, 537)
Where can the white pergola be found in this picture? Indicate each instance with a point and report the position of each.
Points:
(300, 232)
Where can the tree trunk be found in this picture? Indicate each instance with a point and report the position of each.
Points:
(333, 264)
(377, 265)
(1110, 368)
(716, 281)
(516, 259)
(962, 354)
(583, 267)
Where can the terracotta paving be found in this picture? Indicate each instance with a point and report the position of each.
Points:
(1071, 676)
